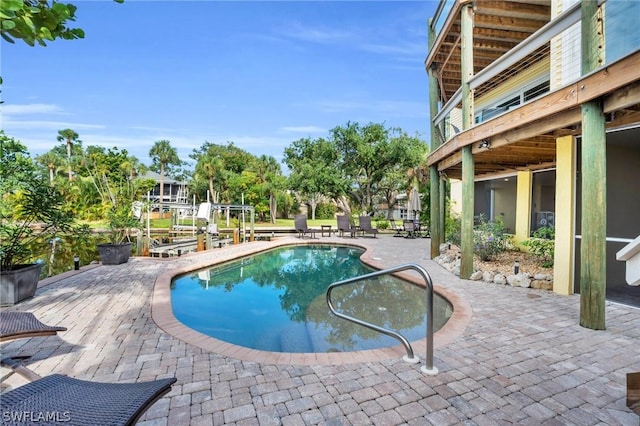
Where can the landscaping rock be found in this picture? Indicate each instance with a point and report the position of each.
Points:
(513, 280)
(476, 276)
(500, 279)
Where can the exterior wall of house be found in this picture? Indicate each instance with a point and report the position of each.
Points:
(456, 197)
(496, 199)
(565, 49)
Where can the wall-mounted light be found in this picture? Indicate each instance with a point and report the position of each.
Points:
(485, 144)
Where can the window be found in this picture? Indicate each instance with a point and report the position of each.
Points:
(515, 100)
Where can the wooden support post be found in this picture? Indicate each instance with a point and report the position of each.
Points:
(466, 261)
(443, 207)
(468, 170)
(593, 254)
(436, 237)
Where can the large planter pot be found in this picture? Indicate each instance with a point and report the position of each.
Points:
(19, 283)
(114, 254)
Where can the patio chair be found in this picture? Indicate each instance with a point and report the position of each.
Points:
(410, 228)
(300, 222)
(394, 226)
(80, 402)
(65, 399)
(20, 325)
(364, 226)
(344, 225)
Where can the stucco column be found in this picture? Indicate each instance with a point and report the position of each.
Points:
(523, 206)
(563, 260)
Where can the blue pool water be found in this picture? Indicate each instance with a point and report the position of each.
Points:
(276, 301)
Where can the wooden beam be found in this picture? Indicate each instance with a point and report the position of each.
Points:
(507, 23)
(540, 11)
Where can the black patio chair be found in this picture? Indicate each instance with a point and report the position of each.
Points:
(344, 225)
(300, 223)
(21, 325)
(364, 226)
(81, 402)
(64, 399)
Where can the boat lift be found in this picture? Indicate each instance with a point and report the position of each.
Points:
(211, 213)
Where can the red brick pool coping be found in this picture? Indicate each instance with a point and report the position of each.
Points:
(162, 314)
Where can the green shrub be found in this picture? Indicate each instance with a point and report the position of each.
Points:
(325, 211)
(452, 231)
(542, 245)
(489, 238)
(382, 224)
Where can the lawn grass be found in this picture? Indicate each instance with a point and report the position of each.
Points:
(280, 223)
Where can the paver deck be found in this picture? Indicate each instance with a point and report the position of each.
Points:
(516, 355)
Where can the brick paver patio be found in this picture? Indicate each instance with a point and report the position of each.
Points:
(514, 356)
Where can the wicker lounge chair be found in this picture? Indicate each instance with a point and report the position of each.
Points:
(65, 399)
(80, 402)
(364, 226)
(300, 222)
(344, 225)
(20, 325)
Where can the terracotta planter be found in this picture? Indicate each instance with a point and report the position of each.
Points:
(19, 283)
(114, 254)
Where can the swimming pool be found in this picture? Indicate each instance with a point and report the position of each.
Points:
(275, 301)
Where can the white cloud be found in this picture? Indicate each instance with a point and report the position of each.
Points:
(303, 129)
(9, 124)
(8, 109)
(316, 35)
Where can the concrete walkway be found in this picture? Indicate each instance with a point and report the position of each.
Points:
(518, 356)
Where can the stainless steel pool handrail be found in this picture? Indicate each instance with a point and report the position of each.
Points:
(428, 368)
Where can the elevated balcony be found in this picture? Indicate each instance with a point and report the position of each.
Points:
(527, 84)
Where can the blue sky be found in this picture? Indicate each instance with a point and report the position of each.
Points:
(259, 74)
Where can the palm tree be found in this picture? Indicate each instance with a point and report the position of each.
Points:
(272, 180)
(212, 169)
(163, 154)
(70, 137)
(52, 162)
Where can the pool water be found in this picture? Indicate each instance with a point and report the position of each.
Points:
(276, 301)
